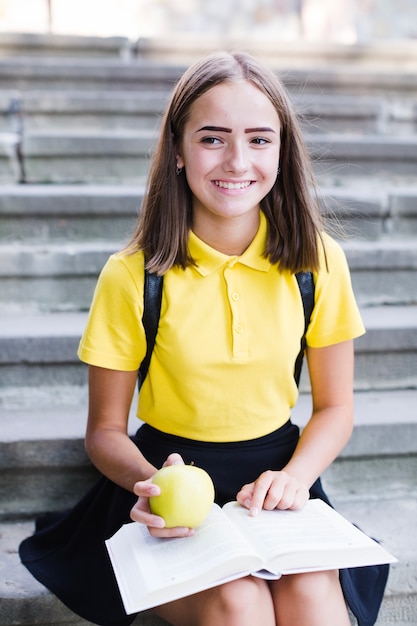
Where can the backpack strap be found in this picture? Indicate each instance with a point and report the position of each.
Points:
(152, 298)
(306, 285)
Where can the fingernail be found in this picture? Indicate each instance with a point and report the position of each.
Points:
(254, 512)
(247, 503)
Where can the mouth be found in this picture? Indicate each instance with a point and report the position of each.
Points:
(229, 185)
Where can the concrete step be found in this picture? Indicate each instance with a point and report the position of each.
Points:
(385, 355)
(51, 277)
(24, 601)
(119, 156)
(350, 80)
(344, 113)
(92, 109)
(344, 160)
(40, 213)
(51, 213)
(372, 212)
(24, 73)
(61, 276)
(40, 349)
(383, 272)
(50, 45)
(373, 484)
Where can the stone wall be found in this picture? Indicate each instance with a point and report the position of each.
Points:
(342, 21)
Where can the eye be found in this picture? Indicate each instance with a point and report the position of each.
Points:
(211, 141)
(260, 141)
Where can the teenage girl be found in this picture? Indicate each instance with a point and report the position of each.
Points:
(229, 217)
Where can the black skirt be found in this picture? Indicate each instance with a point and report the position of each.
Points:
(67, 552)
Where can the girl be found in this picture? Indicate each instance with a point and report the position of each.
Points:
(229, 217)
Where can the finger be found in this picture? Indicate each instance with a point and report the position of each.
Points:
(244, 496)
(179, 531)
(281, 492)
(282, 497)
(260, 491)
(174, 459)
(146, 489)
(301, 497)
(287, 493)
(141, 513)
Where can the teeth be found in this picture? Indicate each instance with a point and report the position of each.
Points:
(225, 185)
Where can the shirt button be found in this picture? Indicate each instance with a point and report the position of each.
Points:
(235, 296)
(239, 328)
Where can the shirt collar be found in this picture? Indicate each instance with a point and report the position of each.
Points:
(208, 260)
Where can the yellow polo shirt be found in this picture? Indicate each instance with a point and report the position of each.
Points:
(229, 333)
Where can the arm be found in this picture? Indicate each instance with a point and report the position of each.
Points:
(107, 442)
(108, 445)
(322, 439)
(331, 424)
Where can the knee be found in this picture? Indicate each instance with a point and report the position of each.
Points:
(314, 598)
(239, 598)
(311, 587)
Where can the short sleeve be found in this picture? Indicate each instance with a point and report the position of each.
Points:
(336, 316)
(114, 337)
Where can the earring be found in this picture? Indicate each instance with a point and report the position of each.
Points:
(178, 170)
(278, 171)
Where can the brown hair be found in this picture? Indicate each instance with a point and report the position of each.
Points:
(291, 207)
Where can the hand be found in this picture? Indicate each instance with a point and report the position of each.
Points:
(141, 511)
(273, 490)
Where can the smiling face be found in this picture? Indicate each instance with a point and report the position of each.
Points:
(230, 151)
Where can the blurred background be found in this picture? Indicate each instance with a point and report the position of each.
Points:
(341, 21)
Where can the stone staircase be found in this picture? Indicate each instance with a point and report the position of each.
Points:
(76, 132)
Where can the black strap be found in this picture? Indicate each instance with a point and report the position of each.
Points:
(306, 285)
(152, 298)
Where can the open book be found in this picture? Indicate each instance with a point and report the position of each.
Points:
(231, 544)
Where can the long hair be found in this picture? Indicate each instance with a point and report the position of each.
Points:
(291, 207)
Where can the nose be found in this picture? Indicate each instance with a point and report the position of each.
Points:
(237, 159)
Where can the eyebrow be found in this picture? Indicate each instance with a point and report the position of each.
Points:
(221, 129)
(260, 129)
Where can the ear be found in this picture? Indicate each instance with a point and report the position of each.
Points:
(180, 160)
(178, 157)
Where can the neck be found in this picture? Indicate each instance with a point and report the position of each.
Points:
(231, 236)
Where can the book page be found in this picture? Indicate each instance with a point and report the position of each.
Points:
(153, 570)
(177, 559)
(315, 537)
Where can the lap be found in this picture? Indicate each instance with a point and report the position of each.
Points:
(231, 465)
(239, 599)
(314, 583)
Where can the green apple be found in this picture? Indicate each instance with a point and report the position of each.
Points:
(187, 495)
